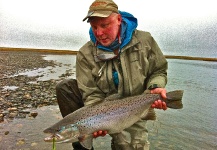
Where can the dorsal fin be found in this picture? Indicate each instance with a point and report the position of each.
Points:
(113, 97)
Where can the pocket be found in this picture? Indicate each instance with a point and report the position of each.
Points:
(134, 56)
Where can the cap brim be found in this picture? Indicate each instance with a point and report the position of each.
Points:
(98, 14)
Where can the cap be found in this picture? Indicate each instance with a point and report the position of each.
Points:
(101, 8)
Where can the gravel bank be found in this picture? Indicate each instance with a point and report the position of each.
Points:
(27, 90)
(20, 92)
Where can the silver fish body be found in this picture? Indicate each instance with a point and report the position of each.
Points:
(110, 115)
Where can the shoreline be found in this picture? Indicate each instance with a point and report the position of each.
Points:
(74, 52)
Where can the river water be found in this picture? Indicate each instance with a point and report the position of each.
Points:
(194, 126)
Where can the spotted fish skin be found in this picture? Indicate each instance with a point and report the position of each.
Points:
(110, 115)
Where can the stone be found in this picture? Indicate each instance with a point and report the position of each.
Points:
(34, 114)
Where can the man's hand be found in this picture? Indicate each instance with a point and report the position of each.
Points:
(99, 133)
(159, 104)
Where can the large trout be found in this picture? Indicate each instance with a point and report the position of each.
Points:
(112, 115)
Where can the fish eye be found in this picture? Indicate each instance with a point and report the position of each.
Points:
(58, 130)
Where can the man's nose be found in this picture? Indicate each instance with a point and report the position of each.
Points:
(99, 31)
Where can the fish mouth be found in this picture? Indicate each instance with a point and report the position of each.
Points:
(57, 137)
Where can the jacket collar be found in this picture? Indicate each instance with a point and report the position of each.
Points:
(134, 40)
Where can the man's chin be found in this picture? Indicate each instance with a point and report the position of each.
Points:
(105, 43)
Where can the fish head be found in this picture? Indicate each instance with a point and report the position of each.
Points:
(63, 134)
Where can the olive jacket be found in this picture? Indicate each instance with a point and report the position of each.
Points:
(140, 65)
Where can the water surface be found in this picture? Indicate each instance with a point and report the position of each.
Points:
(193, 127)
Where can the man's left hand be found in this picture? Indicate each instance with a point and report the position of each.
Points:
(99, 133)
(159, 104)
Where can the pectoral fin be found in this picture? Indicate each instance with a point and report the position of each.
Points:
(86, 141)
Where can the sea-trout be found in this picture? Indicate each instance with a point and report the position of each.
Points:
(112, 115)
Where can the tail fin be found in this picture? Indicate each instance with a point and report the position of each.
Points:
(174, 99)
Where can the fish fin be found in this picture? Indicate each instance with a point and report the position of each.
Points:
(147, 92)
(86, 141)
(174, 99)
(151, 115)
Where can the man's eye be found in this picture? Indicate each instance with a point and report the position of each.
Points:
(105, 25)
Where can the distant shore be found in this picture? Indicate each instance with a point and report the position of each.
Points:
(47, 51)
(74, 52)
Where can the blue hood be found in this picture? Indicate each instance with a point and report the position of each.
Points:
(128, 25)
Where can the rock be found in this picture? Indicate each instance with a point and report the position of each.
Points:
(27, 96)
(34, 144)
(6, 132)
(26, 111)
(33, 114)
(1, 117)
(12, 109)
(12, 115)
(21, 141)
(5, 113)
(21, 115)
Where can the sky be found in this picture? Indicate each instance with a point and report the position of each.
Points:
(57, 24)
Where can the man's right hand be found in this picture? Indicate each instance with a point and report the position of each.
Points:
(159, 104)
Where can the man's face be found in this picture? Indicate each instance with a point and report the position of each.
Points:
(106, 29)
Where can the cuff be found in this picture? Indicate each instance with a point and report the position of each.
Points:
(153, 86)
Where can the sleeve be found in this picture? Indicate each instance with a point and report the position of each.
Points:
(157, 73)
(90, 92)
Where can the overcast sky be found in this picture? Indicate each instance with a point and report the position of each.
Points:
(58, 24)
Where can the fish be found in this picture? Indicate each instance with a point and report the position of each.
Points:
(112, 115)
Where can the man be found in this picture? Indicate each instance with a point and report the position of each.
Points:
(118, 59)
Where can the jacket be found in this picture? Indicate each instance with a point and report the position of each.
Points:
(140, 65)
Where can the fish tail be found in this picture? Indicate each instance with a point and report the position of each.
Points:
(174, 99)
